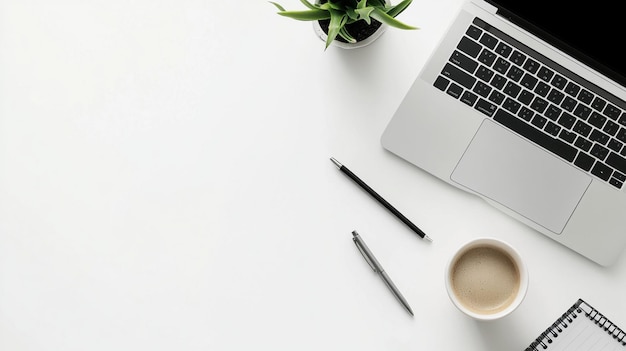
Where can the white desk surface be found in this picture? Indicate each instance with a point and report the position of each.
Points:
(165, 184)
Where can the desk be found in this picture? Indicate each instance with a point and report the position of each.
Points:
(165, 184)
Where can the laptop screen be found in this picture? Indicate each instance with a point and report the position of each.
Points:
(581, 29)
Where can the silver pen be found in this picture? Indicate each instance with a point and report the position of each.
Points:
(371, 260)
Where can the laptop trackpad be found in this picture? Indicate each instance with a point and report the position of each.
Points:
(510, 170)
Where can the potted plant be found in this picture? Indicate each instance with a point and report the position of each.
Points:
(349, 21)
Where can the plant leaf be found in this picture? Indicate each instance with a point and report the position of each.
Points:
(396, 10)
(352, 14)
(280, 8)
(336, 6)
(347, 36)
(383, 17)
(309, 5)
(337, 21)
(306, 15)
(330, 6)
(364, 14)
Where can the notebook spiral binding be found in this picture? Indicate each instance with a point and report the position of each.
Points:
(553, 331)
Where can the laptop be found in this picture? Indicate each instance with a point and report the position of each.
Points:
(523, 104)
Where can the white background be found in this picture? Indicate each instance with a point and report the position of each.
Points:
(165, 184)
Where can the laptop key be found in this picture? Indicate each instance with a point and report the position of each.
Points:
(487, 57)
(572, 89)
(474, 32)
(484, 73)
(503, 49)
(531, 66)
(512, 89)
(517, 58)
(511, 105)
(526, 97)
(545, 73)
(469, 46)
(584, 161)
(621, 135)
(612, 112)
(598, 104)
(615, 145)
(596, 120)
(539, 105)
(489, 41)
(582, 128)
(567, 135)
(555, 96)
(582, 111)
(569, 104)
(441, 83)
(586, 96)
(463, 61)
(529, 82)
(601, 171)
(501, 65)
(498, 81)
(469, 98)
(599, 152)
(496, 97)
(456, 74)
(515, 73)
(539, 121)
(482, 89)
(616, 161)
(527, 114)
(542, 89)
(611, 127)
(553, 112)
(583, 143)
(599, 137)
(485, 107)
(567, 120)
(557, 146)
(552, 129)
(559, 81)
(455, 90)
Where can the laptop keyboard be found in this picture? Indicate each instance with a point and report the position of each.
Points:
(539, 100)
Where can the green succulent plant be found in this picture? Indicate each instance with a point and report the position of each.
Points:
(343, 12)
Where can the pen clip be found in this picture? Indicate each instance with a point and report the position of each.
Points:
(365, 256)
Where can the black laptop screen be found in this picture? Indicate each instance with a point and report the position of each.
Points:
(591, 32)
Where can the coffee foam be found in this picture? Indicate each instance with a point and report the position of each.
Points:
(485, 279)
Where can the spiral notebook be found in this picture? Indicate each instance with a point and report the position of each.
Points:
(581, 327)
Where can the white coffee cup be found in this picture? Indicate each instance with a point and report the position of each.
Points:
(486, 279)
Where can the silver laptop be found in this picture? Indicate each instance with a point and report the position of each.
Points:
(522, 103)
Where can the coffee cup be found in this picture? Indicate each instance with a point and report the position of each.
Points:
(486, 279)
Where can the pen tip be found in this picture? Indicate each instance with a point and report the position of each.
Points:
(426, 237)
(336, 162)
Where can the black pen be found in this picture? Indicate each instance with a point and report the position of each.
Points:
(379, 198)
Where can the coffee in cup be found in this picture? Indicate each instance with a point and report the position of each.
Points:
(486, 279)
